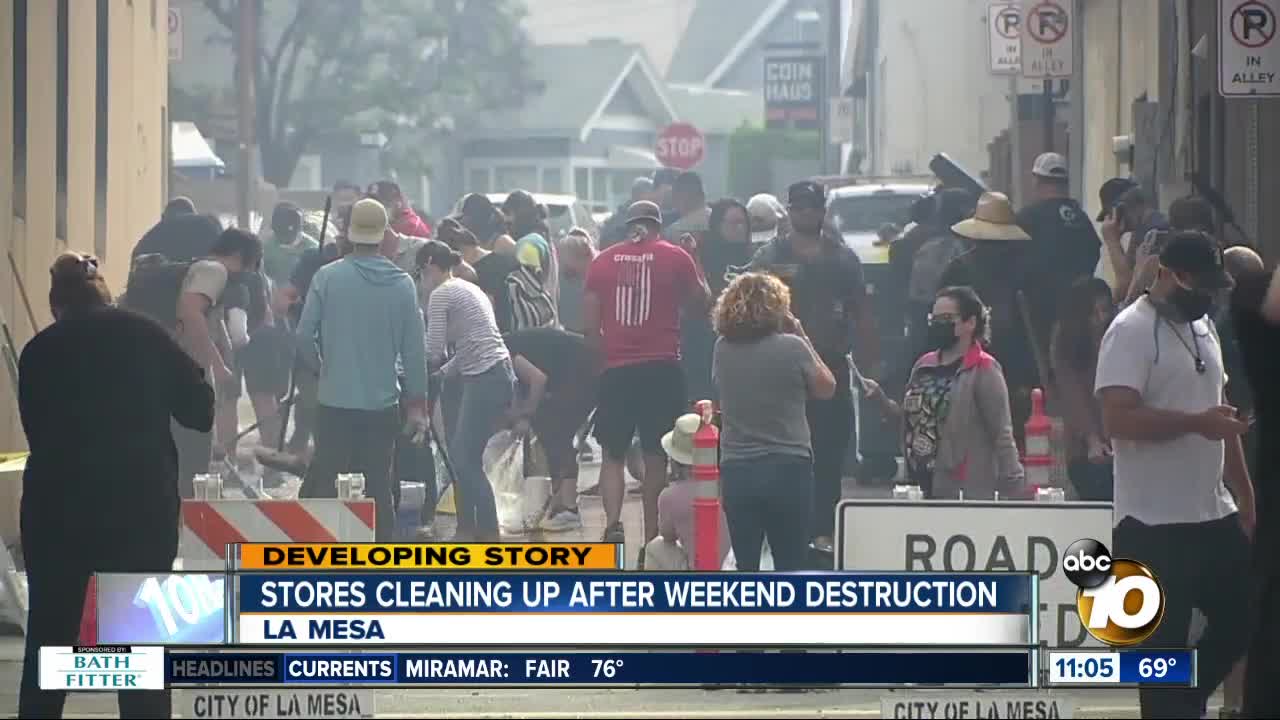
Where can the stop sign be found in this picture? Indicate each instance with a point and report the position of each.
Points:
(680, 146)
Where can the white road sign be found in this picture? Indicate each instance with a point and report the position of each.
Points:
(1248, 51)
(175, 35)
(1004, 21)
(275, 703)
(1047, 29)
(948, 536)
(841, 120)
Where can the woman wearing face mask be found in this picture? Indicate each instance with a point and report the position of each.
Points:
(1084, 316)
(460, 315)
(958, 436)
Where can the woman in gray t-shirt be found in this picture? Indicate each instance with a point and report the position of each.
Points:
(765, 369)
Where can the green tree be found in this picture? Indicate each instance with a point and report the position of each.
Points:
(357, 65)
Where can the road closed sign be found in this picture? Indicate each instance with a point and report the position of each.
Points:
(1248, 50)
(949, 536)
(681, 146)
(1047, 28)
(332, 703)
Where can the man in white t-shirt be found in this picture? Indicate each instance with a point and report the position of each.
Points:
(1183, 498)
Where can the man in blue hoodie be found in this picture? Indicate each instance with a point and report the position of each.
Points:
(360, 324)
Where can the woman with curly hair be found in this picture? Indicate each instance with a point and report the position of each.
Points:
(765, 369)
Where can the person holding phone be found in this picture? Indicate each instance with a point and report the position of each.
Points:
(1184, 500)
(1127, 211)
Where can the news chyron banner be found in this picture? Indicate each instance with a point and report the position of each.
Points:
(595, 609)
(190, 608)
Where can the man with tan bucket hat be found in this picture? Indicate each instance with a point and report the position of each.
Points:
(996, 267)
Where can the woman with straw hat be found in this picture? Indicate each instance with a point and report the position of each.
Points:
(996, 268)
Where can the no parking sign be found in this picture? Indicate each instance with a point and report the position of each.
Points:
(1248, 52)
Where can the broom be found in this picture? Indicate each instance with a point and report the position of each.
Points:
(276, 458)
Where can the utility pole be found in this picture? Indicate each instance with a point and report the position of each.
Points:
(1015, 143)
(246, 61)
(835, 37)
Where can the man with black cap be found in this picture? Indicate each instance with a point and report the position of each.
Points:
(286, 245)
(635, 293)
(1184, 503)
(829, 298)
(615, 228)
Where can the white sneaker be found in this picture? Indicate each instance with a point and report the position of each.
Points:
(562, 521)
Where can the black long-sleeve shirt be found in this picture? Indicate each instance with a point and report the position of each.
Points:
(97, 390)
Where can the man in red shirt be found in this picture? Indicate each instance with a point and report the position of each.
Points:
(635, 291)
(402, 217)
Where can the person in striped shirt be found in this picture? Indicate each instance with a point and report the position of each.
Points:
(459, 315)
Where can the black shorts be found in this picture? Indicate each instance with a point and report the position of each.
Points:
(560, 415)
(266, 362)
(642, 399)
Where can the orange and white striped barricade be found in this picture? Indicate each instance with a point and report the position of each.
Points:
(706, 483)
(208, 526)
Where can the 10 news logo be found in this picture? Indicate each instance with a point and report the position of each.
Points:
(1119, 602)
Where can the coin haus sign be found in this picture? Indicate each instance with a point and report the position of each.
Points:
(793, 92)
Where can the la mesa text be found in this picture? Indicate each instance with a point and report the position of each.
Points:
(676, 594)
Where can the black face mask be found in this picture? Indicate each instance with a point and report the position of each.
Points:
(942, 334)
(1192, 304)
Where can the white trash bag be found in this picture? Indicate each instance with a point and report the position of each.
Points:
(520, 501)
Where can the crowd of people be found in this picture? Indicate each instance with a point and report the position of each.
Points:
(394, 330)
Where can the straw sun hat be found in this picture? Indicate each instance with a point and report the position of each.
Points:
(993, 220)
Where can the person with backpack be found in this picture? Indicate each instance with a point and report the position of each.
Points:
(528, 221)
(181, 235)
(957, 432)
(361, 330)
(186, 299)
(996, 268)
(528, 294)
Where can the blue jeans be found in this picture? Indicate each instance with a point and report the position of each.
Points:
(485, 399)
(768, 497)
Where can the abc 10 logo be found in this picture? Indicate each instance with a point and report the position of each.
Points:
(1120, 602)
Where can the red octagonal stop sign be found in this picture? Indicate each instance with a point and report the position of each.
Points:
(680, 146)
